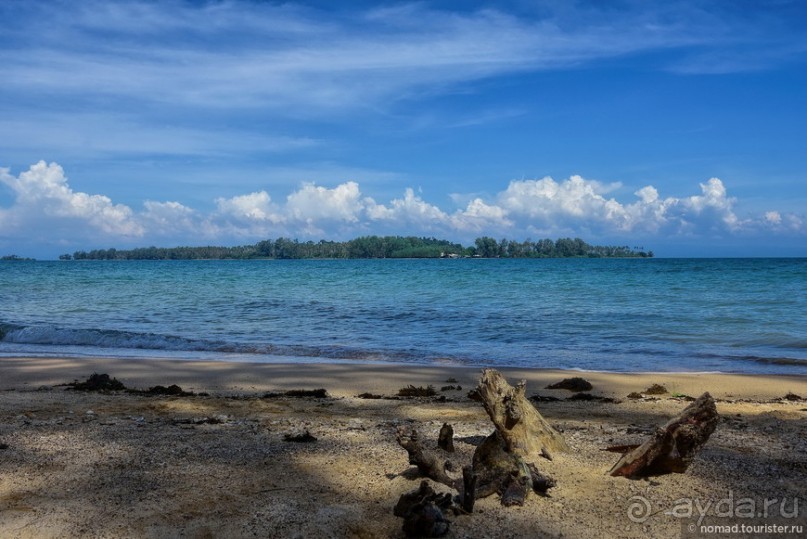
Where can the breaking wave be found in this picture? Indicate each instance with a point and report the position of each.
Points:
(95, 341)
(48, 335)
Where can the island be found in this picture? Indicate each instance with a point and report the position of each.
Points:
(372, 247)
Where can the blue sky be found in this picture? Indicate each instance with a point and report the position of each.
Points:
(679, 126)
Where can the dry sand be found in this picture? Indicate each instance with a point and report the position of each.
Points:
(77, 464)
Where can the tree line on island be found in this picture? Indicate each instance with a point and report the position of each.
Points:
(372, 247)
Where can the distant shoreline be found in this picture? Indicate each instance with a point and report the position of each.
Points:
(372, 247)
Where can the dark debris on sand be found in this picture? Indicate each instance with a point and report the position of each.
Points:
(97, 382)
(173, 390)
(420, 391)
(572, 384)
(543, 398)
(300, 437)
(298, 394)
(369, 396)
(656, 389)
(590, 397)
(103, 382)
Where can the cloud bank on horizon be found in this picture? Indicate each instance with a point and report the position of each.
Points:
(222, 121)
(45, 204)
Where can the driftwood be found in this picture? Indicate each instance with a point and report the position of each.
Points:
(445, 440)
(673, 446)
(469, 480)
(430, 463)
(422, 511)
(522, 428)
(498, 471)
(504, 462)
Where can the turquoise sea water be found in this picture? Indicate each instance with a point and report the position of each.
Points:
(741, 315)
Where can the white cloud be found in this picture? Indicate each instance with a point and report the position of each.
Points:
(480, 216)
(649, 213)
(547, 199)
(713, 204)
(47, 210)
(711, 211)
(254, 207)
(44, 200)
(409, 210)
(795, 223)
(314, 203)
(580, 204)
(170, 218)
(305, 211)
(778, 223)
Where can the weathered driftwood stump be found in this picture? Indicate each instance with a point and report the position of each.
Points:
(496, 470)
(522, 428)
(673, 446)
(505, 462)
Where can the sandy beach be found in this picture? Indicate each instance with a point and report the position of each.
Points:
(217, 464)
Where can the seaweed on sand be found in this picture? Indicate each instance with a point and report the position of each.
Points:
(300, 437)
(420, 391)
(656, 389)
(98, 382)
(172, 390)
(572, 384)
(298, 393)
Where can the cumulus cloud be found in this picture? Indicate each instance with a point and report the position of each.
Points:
(547, 199)
(44, 202)
(411, 209)
(166, 218)
(773, 217)
(713, 204)
(44, 198)
(254, 207)
(314, 203)
(775, 221)
(480, 216)
(579, 204)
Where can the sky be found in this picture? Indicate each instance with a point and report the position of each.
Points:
(680, 127)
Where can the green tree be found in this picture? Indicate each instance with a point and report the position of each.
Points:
(487, 247)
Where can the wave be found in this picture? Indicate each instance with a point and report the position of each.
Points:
(53, 335)
(776, 360)
(96, 341)
(49, 335)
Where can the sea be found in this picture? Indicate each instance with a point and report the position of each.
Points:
(626, 315)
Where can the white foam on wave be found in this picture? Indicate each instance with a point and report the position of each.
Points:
(53, 335)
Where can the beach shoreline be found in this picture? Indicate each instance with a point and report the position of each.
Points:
(348, 379)
(217, 464)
